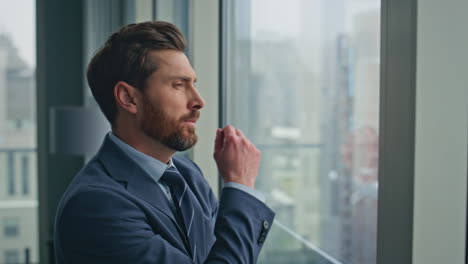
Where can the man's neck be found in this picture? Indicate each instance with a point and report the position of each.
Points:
(145, 144)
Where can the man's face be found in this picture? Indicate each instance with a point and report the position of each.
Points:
(171, 103)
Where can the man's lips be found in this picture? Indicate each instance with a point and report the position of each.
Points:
(190, 122)
(191, 119)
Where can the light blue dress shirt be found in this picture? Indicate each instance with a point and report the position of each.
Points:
(156, 168)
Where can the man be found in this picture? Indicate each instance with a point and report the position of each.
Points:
(136, 203)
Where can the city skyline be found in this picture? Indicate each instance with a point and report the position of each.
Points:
(20, 28)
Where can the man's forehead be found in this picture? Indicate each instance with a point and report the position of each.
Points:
(174, 64)
(169, 57)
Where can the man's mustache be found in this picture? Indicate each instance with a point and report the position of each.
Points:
(192, 115)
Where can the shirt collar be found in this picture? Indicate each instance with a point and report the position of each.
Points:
(150, 165)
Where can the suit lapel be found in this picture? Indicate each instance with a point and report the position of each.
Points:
(123, 169)
(127, 172)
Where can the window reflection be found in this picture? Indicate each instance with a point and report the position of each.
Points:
(302, 82)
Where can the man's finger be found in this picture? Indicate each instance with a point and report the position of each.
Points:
(229, 133)
(239, 133)
(219, 139)
(229, 130)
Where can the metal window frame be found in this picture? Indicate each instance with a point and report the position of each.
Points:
(397, 131)
(222, 72)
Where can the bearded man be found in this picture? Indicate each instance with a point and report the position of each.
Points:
(135, 202)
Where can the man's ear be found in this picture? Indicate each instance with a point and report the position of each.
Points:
(126, 96)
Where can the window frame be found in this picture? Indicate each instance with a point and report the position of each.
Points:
(397, 131)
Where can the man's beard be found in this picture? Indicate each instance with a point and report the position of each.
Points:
(158, 126)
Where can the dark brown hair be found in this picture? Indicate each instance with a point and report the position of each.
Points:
(126, 57)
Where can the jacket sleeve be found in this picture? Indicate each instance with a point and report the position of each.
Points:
(242, 224)
(241, 228)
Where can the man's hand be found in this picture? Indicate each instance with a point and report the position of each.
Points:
(237, 158)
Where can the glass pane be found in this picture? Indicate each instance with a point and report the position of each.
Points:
(302, 82)
(12, 256)
(176, 12)
(18, 168)
(11, 227)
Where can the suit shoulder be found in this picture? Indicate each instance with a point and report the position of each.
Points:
(93, 173)
(91, 182)
(94, 197)
(93, 204)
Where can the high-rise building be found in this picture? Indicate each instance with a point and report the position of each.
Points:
(18, 173)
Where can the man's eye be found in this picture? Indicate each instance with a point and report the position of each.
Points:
(178, 85)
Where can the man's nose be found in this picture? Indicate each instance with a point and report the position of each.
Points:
(197, 102)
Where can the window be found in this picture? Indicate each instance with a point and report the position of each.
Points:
(177, 12)
(11, 227)
(301, 79)
(12, 256)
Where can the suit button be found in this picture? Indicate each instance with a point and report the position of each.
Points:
(263, 233)
(261, 240)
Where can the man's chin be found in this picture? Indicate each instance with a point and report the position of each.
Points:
(181, 142)
(184, 147)
(190, 143)
(188, 134)
(188, 128)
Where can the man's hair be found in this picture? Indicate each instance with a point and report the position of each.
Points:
(126, 56)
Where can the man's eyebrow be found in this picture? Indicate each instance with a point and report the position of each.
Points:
(183, 78)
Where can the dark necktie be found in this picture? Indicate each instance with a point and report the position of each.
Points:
(183, 199)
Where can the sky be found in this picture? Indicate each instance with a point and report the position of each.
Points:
(274, 17)
(18, 20)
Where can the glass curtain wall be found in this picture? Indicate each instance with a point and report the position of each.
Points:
(18, 164)
(301, 79)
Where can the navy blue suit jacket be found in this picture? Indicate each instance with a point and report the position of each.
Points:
(113, 212)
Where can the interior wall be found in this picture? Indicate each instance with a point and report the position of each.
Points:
(441, 133)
